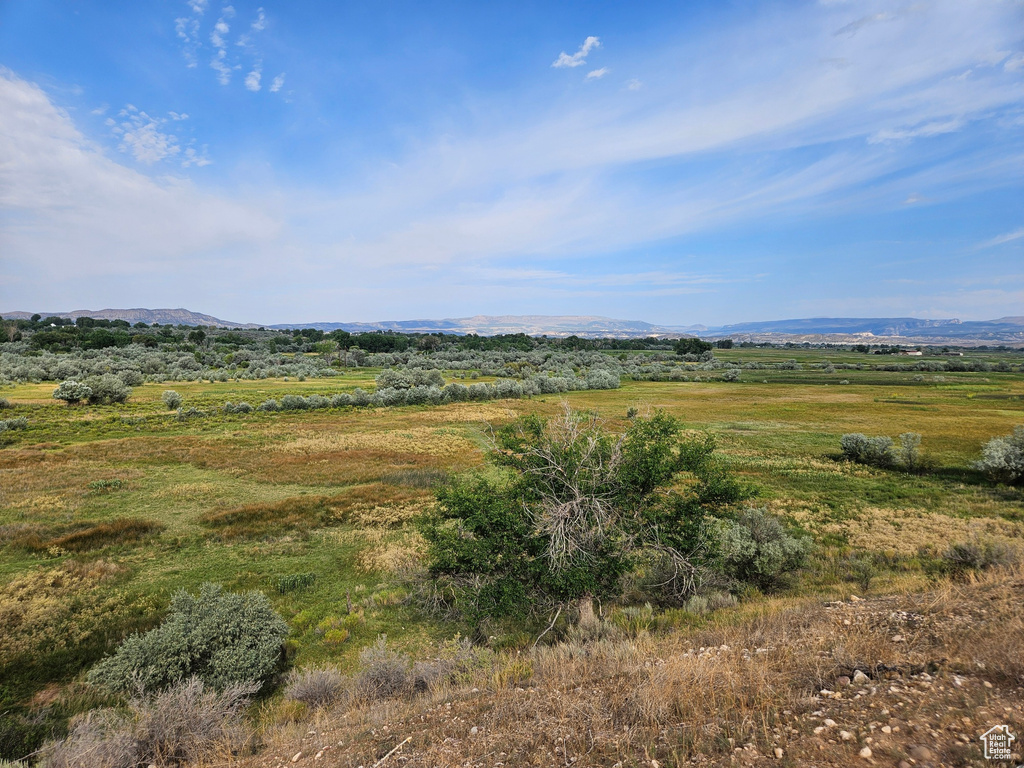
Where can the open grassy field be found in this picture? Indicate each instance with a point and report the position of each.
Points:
(106, 511)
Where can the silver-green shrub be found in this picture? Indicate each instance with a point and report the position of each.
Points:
(220, 637)
(758, 549)
(17, 423)
(908, 455)
(876, 451)
(72, 392)
(171, 399)
(108, 389)
(1003, 457)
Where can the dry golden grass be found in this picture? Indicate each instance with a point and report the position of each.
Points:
(905, 531)
(939, 665)
(414, 440)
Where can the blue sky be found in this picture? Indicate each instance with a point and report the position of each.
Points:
(679, 163)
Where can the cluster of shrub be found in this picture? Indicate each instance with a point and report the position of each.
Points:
(182, 354)
(883, 452)
(97, 390)
(1002, 458)
(416, 387)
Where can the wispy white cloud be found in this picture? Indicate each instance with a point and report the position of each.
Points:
(147, 139)
(597, 74)
(198, 6)
(252, 80)
(220, 30)
(277, 83)
(1009, 237)
(634, 84)
(187, 30)
(100, 110)
(192, 156)
(855, 26)
(141, 136)
(935, 128)
(97, 220)
(1014, 63)
(579, 58)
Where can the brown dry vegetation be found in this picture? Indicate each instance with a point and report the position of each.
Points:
(940, 667)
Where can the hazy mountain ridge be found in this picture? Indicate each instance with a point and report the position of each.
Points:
(890, 330)
(489, 325)
(163, 316)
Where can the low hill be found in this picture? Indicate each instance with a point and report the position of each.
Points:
(162, 316)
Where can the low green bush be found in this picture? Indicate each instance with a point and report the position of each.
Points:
(171, 399)
(1003, 457)
(72, 392)
(758, 549)
(874, 451)
(107, 390)
(220, 637)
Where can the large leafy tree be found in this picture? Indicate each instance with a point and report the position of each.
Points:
(577, 508)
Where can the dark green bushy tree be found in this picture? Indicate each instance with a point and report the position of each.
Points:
(691, 346)
(577, 509)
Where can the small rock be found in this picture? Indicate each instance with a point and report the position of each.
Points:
(921, 753)
(987, 684)
(886, 729)
(897, 638)
(474, 731)
(318, 755)
(778, 753)
(846, 736)
(865, 753)
(830, 723)
(843, 680)
(859, 678)
(298, 756)
(904, 764)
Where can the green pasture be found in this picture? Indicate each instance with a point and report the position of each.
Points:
(245, 500)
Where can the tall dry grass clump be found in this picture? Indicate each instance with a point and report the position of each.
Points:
(186, 723)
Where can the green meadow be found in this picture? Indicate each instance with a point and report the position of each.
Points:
(106, 511)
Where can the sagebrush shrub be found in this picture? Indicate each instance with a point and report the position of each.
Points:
(17, 423)
(908, 455)
(72, 392)
(108, 389)
(977, 554)
(384, 673)
(220, 637)
(1003, 457)
(757, 549)
(315, 687)
(185, 723)
(875, 451)
(171, 399)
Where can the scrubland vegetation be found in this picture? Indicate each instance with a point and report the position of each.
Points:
(661, 573)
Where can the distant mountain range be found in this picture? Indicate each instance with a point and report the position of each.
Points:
(533, 325)
(150, 316)
(888, 330)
